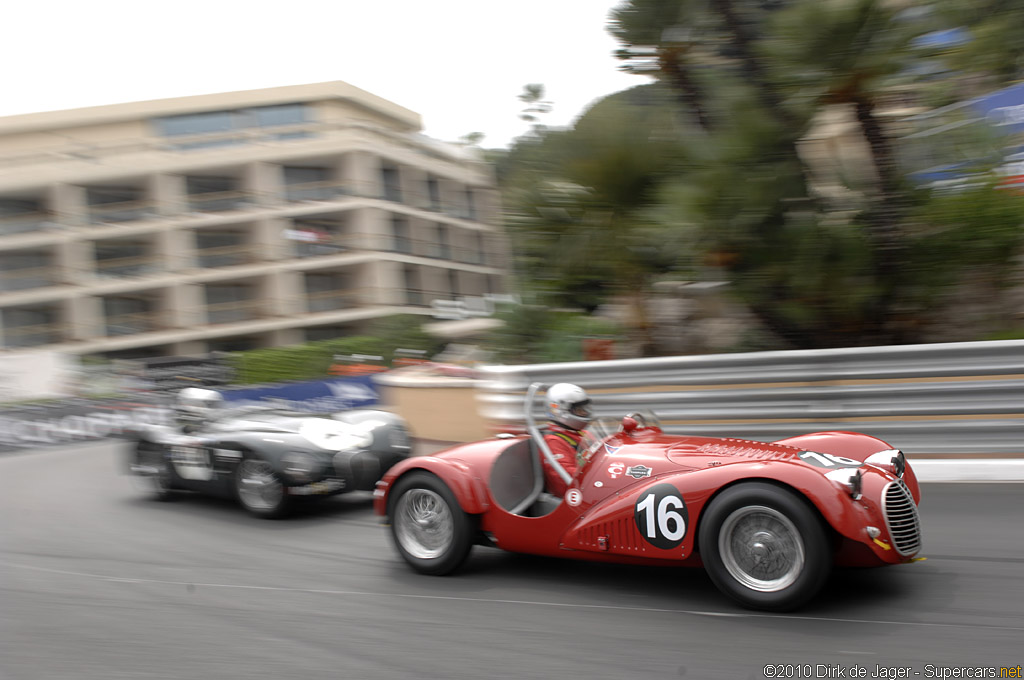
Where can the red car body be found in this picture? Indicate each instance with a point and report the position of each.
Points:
(641, 496)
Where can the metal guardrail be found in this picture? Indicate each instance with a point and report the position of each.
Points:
(953, 398)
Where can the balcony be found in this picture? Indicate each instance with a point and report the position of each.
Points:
(25, 223)
(234, 311)
(226, 256)
(131, 324)
(315, 191)
(128, 267)
(26, 278)
(331, 300)
(218, 201)
(33, 335)
(122, 211)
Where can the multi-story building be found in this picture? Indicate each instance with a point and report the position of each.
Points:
(236, 220)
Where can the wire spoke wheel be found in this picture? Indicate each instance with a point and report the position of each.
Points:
(765, 546)
(424, 524)
(432, 532)
(259, 488)
(761, 548)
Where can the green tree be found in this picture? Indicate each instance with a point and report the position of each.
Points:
(581, 204)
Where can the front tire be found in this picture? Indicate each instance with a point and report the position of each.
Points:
(260, 489)
(765, 547)
(432, 533)
(158, 481)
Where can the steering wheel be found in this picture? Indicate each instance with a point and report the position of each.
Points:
(638, 418)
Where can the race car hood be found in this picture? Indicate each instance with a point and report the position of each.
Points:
(692, 452)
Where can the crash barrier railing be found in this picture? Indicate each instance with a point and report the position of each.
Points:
(954, 398)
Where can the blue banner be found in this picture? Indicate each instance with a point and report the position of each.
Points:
(319, 396)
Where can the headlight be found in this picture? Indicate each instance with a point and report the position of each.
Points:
(892, 461)
(851, 479)
(331, 435)
(300, 466)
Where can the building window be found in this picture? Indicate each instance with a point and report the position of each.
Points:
(400, 235)
(212, 194)
(434, 193)
(327, 291)
(128, 315)
(413, 294)
(198, 123)
(216, 248)
(283, 114)
(24, 269)
(212, 122)
(453, 283)
(120, 258)
(444, 250)
(307, 183)
(30, 326)
(230, 302)
(391, 183)
(19, 216)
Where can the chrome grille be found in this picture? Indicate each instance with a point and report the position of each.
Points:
(901, 518)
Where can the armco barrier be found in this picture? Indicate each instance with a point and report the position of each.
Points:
(953, 399)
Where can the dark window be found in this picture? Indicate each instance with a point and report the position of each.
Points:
(413, 295)
(24, 269)
(128, 315)
(390, 180)
(30, 326)
(444, 249)
(400, 234)
(434, 193)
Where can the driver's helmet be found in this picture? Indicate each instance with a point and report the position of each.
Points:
(196, 405)
(569, 406)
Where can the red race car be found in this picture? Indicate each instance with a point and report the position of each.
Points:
(766, 520)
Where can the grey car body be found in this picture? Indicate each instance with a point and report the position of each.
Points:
(267, 456)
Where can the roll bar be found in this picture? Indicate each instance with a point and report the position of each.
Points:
(531, 427)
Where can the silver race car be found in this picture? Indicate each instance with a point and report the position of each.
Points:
(265, 456)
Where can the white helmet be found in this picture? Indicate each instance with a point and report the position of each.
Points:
(195, 404)
(569, 405)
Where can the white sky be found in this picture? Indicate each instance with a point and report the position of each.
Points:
(460, 64)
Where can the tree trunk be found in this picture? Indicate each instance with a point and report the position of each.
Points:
(670, 59)
(883, 220)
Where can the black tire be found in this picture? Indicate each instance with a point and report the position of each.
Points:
(260, 490)
(432, 533)
(159, 484)
(765, 547)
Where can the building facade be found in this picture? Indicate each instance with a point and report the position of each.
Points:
(232, 221)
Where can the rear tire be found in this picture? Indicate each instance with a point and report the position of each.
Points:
(431, 531)
(765, 547)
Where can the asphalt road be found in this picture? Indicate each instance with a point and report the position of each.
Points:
(97, 581)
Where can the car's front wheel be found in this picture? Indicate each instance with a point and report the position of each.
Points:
(260, 489)
(153, 470)
(432, 533)
(764, 546)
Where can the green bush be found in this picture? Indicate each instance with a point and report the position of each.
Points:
(538, 334)
(311, 361)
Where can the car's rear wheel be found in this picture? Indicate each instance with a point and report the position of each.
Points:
(432, 533)
(260, 490)
(153, 471)
(764, 546)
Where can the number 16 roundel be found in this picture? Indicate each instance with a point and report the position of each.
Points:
(661, 516)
